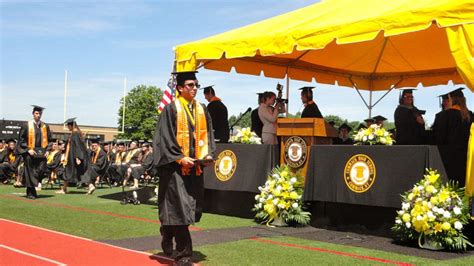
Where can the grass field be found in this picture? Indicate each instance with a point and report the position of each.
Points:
(106, 220)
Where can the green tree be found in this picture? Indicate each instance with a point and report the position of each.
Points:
(140, 112)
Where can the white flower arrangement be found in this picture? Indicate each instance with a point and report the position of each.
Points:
(431, 210)
(374, 135)
(246, 136)
(281, 197)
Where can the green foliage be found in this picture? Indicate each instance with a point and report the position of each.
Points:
(246, 120)
(140, 112)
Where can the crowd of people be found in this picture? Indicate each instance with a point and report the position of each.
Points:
(35, 159)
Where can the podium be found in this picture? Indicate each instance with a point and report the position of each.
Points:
(297, 136)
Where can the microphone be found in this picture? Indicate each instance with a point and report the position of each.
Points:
(240, 117)
(248, 110)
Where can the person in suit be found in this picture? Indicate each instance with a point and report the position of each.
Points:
(268, 114)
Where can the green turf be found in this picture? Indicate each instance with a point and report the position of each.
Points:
(92, 225)
(245, 252)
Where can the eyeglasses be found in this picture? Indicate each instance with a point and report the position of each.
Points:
(192, 85)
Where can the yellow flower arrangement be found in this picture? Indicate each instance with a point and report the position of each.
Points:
(245, 136)
(435, 212)
(281, 196)
(374, 135)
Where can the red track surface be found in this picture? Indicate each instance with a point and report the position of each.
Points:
(22, 244)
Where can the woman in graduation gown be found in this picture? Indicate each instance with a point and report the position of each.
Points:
(77, 158)
(409, 121)
(451, 129)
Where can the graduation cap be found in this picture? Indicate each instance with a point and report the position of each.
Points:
(60, 142)
(306, 89)
(361, 126)
(379, 118)
(145, 144)
(405, 91)
(346, 126)
(70, 121)
(369, 120)
(332, 123)
(181, 77)
(38, 108)
(421, 112)
(95, 140)
(11, 140)
(209, 89)
(121, 143)
(457, 93)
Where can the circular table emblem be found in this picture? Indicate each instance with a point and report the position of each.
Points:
(295, 152)
(359, 173)
(225, 165)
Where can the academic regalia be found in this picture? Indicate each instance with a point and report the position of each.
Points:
(452, 136)
(180, 197)
(115, 170)
(33, 165)
(311, 110)
(145, 167)
(10, 165)
(409, 132)
(3, 154)
(257, 124)
(98, 165)
(53, 162)
(220, 123)
(76, 148)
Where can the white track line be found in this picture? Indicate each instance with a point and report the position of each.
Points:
(33, 255)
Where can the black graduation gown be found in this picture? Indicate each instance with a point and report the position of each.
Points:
(73, 172)
(3, 154)
(99, 167)
(339, 141)
(8, 168)
(54, 165)
(145, 166)
(179, 197)
(452, 137)
(257, 124)
(34, 166)
(311, 110)
(220, 122)
(115, 170)
(409, 132)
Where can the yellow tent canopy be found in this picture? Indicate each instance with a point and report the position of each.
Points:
(370, 44)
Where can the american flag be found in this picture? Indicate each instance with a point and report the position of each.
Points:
(168, 95)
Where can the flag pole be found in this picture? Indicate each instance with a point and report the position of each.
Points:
(65, 97)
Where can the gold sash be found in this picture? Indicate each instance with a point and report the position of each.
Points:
(51, 157)
(198, 120)
(130, 155)
(96, 155)
(11, 157)
(31, 135)
(118, 158)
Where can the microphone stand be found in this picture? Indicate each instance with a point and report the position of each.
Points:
(238, 120)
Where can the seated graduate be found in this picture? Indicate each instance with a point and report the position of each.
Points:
(53, 162)
(116, 159)
(344, 137)
(10, 163)
(379, 120)
(145, 168)
(3, 150)
(310, 107)
(133, 157)
(98, 162)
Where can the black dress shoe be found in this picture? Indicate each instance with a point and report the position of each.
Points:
(185, 261)
(30, 197)
(167, 247)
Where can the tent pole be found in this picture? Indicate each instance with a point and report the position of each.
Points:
(370, 104)
(287, 90)
(357, 89)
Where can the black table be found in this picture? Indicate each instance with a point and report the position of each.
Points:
(397, 169)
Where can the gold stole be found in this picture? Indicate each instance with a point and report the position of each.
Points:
(51, 157)
(130, 155)
(11, 157)
(96, 155)
(31, 135)
(198, 120)
(118, 158)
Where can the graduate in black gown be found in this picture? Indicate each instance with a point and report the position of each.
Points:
(133, 158)
(53, 162)
(218, 112)
(145, 167)
(409, 121)
(344, 138)
(3, 150)
(33, 142)
(77, 157)
(451, 129)
(310, 107)
(98, 164)
(257, 124)
(116, 160)
(10, 163)
(183, 135)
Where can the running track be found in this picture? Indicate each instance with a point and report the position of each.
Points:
(22, 244)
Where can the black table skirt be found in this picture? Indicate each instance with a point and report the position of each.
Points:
(398, 168)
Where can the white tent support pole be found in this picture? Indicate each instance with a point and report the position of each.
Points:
(391, 88)
(357, 89)
(124, 98)
(65, 97)
(370, 104)
(287, 90)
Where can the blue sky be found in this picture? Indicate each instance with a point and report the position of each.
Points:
(100, 43)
